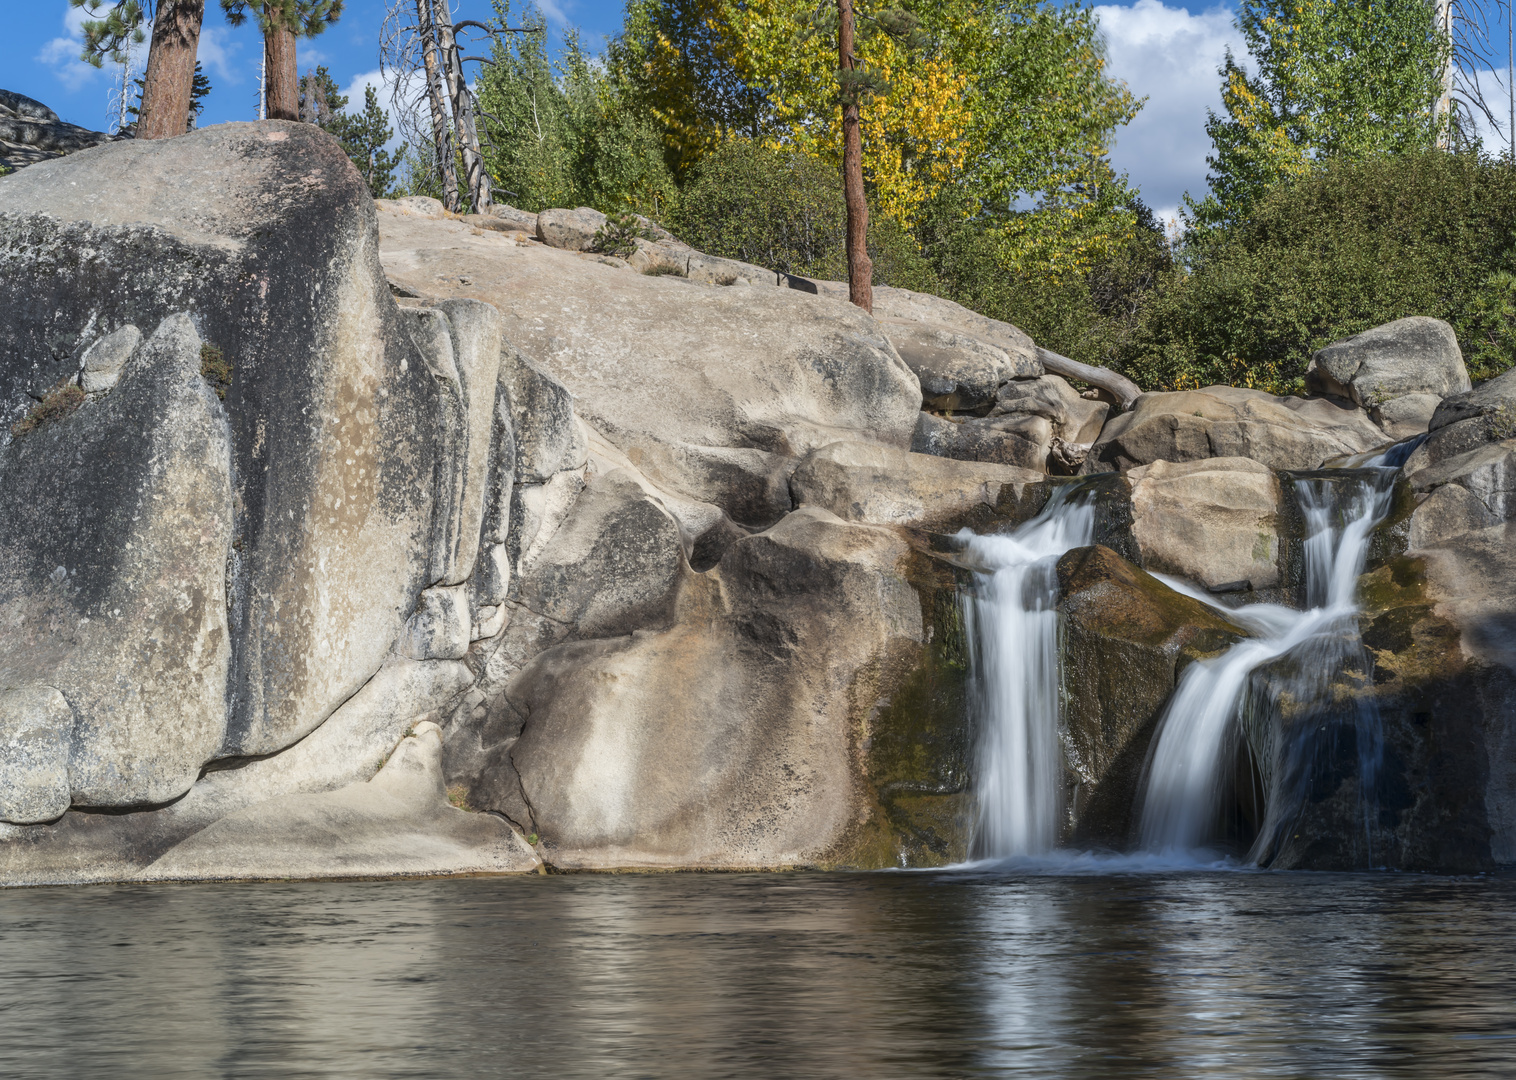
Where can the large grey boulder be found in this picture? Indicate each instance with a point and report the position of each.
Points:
(115, 531)
(958, 372)
(1076, 421)
(1418, 355)
(713, 393)
(1215, 521)
(266, 235)
(1473, 490)
(880, 485)
(1467, 421)
(726, 740)
(1229, 421)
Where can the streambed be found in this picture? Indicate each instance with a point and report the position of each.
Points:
(1078, 968)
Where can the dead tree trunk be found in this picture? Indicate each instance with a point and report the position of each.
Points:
(279, 66)
(860, 270)
(170, 70)
(447, 168)
(463, 110)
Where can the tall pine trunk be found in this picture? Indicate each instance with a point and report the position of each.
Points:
(447, 169)
(170, 76)
(279, 66)
(860, 270)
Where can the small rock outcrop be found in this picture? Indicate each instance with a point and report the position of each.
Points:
(31, 132)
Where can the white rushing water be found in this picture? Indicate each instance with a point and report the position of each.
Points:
(1188, 764)
(1014, 659)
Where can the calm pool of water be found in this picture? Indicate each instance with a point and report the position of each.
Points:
(988, 973)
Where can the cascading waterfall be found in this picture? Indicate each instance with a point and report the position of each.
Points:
(1186, 771)
(1014, 660)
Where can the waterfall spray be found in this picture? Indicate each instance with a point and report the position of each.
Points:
(1187, 765)
(1015, 666)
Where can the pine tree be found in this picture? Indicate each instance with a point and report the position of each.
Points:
(282, 21)
(364, 137)
(200, 88)
(321, 99)
(116, 26)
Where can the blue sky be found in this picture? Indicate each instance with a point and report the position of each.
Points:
(1167, 52)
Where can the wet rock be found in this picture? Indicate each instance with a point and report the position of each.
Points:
(1227, 421)
(1389, 763)
(1127, 637)
(880, 485)
(1215, 522)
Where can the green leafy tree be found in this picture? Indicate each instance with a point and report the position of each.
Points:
(565, 133)
(364, 137)
(1334, 79)
(1353, 245)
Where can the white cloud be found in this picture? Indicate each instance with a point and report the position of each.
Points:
(1170, 56)
(62, 53)
(217, 51)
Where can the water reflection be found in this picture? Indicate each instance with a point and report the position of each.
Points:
(980, 972)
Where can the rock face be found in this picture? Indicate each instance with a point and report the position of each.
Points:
(957, 372)
(882, 486)
(113, 555)
(1227, 421)
(667, 369)
(31, 132)
(264, 235)
(554, 562)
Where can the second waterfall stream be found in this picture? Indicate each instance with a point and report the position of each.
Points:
(1015, 663)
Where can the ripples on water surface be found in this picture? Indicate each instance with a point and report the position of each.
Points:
(984, 972)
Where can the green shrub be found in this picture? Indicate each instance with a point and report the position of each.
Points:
(1353, 246)
(785, 211)
(1087, 317)
(619, 235)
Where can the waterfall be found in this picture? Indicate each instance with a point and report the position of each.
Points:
(1014, 663)
(1186, 770)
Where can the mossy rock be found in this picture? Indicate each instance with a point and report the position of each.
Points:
(1403, 694)
(1126, 638)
